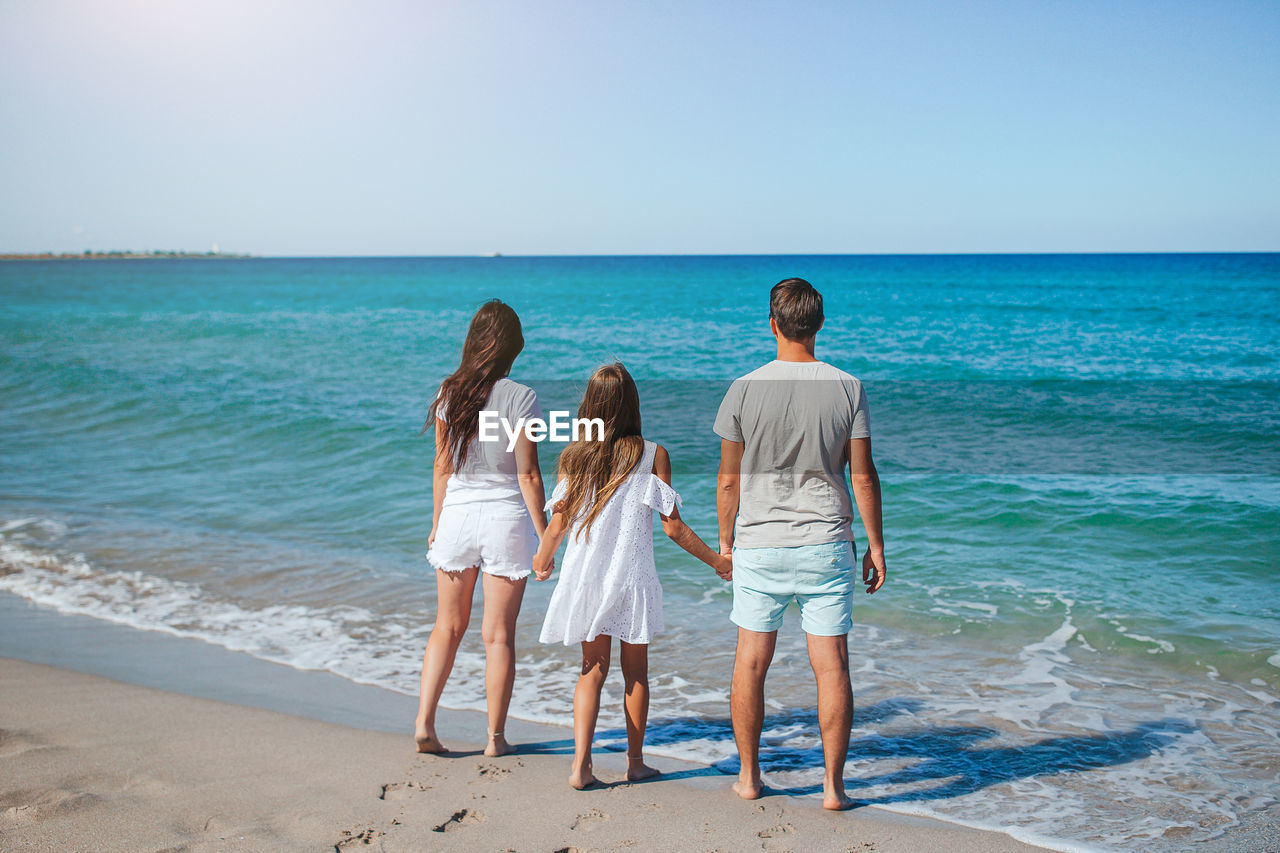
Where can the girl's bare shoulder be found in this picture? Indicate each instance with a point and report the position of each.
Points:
(661, 460)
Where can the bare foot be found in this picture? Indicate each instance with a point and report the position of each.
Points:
(837, 802)
(748, 790)
(581, 780)
(429, 743)
(637, 770)
(498, 746)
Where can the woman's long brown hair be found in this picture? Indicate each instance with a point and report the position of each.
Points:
(493, 342)
(595, 469)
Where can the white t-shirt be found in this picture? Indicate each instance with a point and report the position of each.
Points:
(795, 420)
(489, 473)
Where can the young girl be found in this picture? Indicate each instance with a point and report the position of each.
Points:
(608, 587)
(488, 514)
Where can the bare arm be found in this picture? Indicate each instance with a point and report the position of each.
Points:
(529, 475)
(728, 485)
(440, 473)
(865, 482)
(682, 534)
(552, 536)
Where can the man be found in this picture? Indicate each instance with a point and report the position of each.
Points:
(788, 430)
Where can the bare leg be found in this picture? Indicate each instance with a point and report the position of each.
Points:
(453, 612)
(746, 704)
(829, 657)
(635, 672)
(502, 598)
(586, 708)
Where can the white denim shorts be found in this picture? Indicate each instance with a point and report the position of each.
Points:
(497, 537)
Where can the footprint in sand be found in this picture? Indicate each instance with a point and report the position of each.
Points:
(492, 772)
(14, 742)
(357, 838)
(141, 784)
(588, 820)
(20, 807)
(775, 831)
(462, 817)
(400, 790)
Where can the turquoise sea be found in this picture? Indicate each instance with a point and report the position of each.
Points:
(1079, 642)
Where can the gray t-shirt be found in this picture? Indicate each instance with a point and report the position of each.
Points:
(795, 420)
(489, 474)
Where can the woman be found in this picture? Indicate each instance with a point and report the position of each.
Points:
(487, 518)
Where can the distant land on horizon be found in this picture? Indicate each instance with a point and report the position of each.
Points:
(115, 254)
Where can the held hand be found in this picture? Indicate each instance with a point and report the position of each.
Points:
(724, 567)
(542, 569)
(873, 570)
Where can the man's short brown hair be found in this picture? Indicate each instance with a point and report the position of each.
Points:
(796, 307)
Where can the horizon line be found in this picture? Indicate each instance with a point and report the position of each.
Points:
(104, 254)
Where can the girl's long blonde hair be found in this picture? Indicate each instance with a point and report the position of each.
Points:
(595, 469)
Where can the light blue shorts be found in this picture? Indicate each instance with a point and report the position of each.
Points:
(819, 577)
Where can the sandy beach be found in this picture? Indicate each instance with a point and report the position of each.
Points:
(93, 763)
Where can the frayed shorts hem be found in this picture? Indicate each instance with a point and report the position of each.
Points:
(510, 572)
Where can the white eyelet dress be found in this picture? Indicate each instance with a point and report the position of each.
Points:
(609, 584)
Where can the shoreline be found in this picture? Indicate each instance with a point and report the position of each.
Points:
(51, 658)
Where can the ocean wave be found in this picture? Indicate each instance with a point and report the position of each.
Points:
(298, 636)
(41, 526)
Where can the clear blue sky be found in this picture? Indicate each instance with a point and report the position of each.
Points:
(548, 127)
